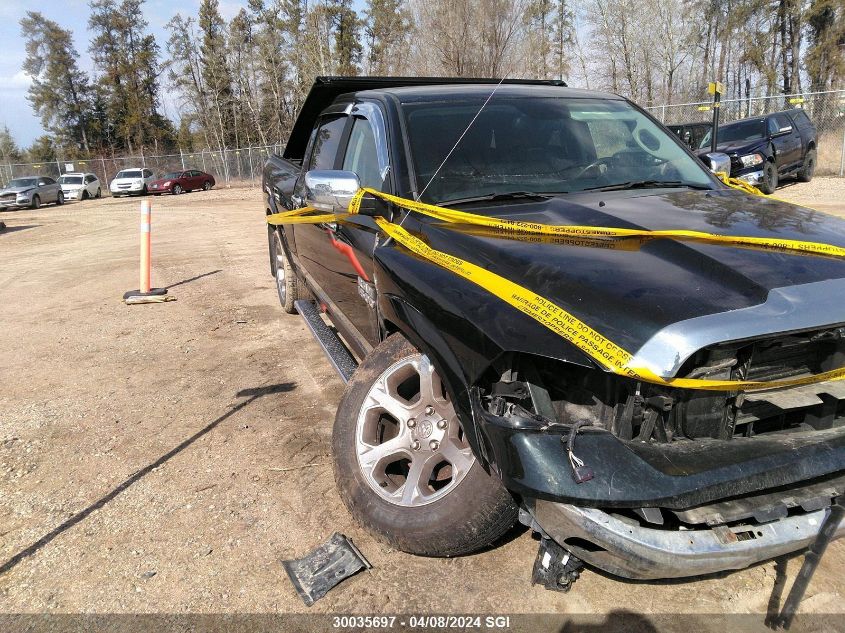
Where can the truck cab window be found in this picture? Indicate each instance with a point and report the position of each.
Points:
(327, 143)
(361, 155)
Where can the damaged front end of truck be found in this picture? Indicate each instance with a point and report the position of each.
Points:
(646, 481)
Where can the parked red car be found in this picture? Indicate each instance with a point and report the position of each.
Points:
(177, 182)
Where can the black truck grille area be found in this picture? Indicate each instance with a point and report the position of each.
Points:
(774, 360)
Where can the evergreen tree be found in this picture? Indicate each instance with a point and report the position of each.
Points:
(127, 59)
(9, 150)
(217, 80)
(825, 58)
(42, 150)
(60, 93)
(347, 43)
(386, 26)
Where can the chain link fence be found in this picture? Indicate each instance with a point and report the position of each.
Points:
(230, 167)
(242, 166)
(825, 109)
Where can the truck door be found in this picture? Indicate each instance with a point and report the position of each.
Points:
(313, 248)
(355, 239)
(787, 141)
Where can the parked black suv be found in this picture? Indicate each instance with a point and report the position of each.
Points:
(764, 149)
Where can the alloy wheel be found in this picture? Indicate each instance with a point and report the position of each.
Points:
(410, 445)
(279, 254)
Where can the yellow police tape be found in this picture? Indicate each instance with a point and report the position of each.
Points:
(603, 351)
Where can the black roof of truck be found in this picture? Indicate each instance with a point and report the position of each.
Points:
(326, 89)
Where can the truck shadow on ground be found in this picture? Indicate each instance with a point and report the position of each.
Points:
(620, 620)
(251, 395)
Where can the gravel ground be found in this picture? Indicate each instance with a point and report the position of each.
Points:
(165, 458)
(823, 193)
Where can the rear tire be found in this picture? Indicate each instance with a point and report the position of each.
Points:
(206, 185)
(805, 174)
(770, 178)
(99, 193)
(60, 199)
(454, 507)
(288, 285)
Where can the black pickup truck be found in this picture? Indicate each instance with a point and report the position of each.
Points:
(766, 148)
(462, 414)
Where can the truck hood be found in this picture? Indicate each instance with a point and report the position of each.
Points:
(737, 147)
(662, 299)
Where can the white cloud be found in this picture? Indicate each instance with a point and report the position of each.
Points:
(18, 82)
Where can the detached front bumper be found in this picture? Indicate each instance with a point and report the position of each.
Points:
(633, 551)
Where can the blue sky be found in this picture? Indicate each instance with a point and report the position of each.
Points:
(15, 111)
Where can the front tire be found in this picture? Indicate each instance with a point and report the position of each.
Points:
(402, 464)
(770, 178)
(176, 190)
(36, 202)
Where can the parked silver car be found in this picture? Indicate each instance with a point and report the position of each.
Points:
(31, 191)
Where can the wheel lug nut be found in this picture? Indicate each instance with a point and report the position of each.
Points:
(441, 424)
(415, 445)
(429, 410)
(434, 444)
(412, 423)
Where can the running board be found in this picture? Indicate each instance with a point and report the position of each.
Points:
(339, 356)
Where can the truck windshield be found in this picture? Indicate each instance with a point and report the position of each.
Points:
(542, 145)
(741, 131)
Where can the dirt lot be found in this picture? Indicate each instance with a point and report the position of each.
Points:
(165, 458)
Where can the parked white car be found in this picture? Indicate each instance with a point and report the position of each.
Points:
(80, 186)
(128, 181)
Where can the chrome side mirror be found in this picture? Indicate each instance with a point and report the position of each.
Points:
(330, 189)
(717, 161)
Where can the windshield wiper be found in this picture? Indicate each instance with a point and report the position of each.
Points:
(510, 195)
(645, 184)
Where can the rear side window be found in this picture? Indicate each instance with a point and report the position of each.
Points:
(801, 119)
(327, 143)
(782, 121)
(361, 155)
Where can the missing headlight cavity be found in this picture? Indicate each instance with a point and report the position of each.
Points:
(522, 386)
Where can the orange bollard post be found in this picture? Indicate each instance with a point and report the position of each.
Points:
(146, 294)
(145, 246)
